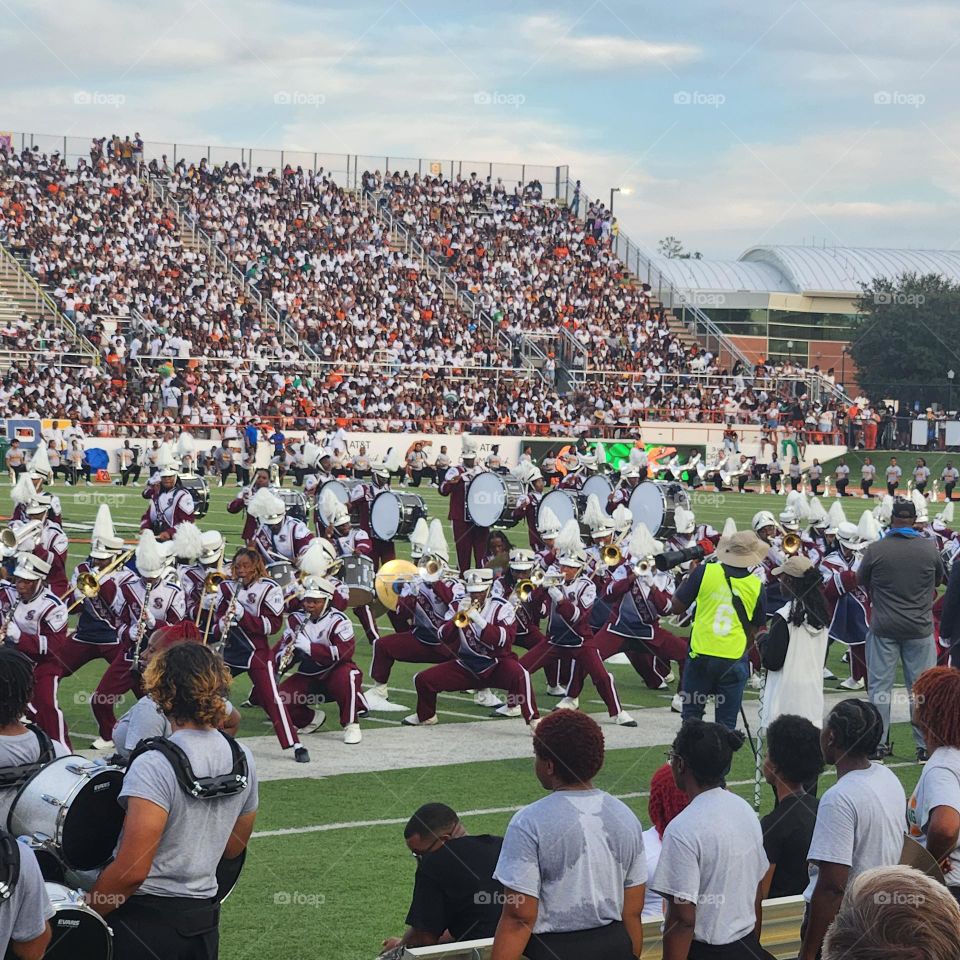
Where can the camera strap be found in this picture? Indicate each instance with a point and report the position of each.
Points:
(739, 608)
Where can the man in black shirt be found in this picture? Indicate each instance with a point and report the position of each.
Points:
(794, 762)
(454, 894)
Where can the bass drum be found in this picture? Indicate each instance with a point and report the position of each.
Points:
(73, 802)
(597, 486)
(200, 492)
(358, 576)
(654, 503)
(562, 503)
(339, 490)
(297, 503)
(78, 932)
(394, 515)
(491, 499)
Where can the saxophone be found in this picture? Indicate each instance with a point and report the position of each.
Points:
(140, 632)
(8, 619)
(289, 651)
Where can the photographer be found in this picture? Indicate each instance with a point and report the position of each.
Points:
(454, 894)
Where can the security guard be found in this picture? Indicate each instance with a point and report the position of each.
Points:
(730, 607)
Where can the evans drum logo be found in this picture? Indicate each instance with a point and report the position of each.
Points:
(101, 786)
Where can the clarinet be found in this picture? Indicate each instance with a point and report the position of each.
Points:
(8, 619)
(290, 650)
(141, 630)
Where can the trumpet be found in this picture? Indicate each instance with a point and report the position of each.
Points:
(432, 569)
(461, 619)
(644, 565)
(540, 578)
(525, 590)
(14, 537)
(792, 542)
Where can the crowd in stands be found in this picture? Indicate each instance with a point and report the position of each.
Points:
(379, 344)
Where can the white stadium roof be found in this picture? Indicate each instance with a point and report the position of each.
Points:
(810, 271)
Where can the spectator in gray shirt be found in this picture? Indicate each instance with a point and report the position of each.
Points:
(900, 573)
(572, 864)
(24, 931)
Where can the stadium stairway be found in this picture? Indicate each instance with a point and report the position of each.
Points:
(21, 294)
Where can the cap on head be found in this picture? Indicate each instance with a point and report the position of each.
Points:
(761, 519)
(522, 560)
(478, 580)
(211, 546)
(31, 567)
(317, 588)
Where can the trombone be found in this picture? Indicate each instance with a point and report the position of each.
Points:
(536, 580)
(611, 555)
(461, 619)
(791, 543)
(88, 583)
(211, 584)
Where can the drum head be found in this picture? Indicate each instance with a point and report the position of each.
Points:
(385, 515)
(599, 487)
(78, 932)
(93, 821)
(563, 506)
(648, 506)
(359, 578)
(486, 497)
(282, 572)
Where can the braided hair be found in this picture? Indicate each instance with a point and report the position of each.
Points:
(16, 685)
(707, 749)
(808, 602)
(936, 694)
(857, 727)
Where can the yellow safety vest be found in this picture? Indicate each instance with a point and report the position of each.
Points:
(716, 627)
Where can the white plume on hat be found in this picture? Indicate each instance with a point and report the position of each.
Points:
(684, 519)
(835, 516)
(187, 542)
(437, 541)
(418, 539)
(167, 464)
(469, 446)
(946, 514)
(261, 457)
(264, 504)
(393, 460)
(638, 457)
(523, 471)
(23, 490)
(729, 527)
(40, 462)
(600, 452)
(316, 559)
(885, 510)
(103, 525)
(568, 545)
(798, 502)
(642, 543)
(149, 557)
(185, 445)
(593, 515)
(920, 502)
(311, 453)
(622, 518)
(818, 516)
(332, 511)
(548, 523)
(868, 529)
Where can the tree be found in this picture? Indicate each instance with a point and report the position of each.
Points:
(906, 340)
(671, 248)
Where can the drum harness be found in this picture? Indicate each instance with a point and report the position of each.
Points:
(9, 865)
(15, 777)
(200, 788)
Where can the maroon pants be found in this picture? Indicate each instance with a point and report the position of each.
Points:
(383, 552)
(507, 675)
(342, 685)
(73, 655)
(858, 660)
(406, 648)
(44, 708)
(367, 621)
(116, 681)
(652, 663)
(587, 657)
(470, 539)
(264, 678)
(528, 641)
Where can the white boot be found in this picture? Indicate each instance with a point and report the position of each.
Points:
(351, 733)
(101, 744)
(414, 721)
(487, 698)
(319, 719)
(623, 719)
(569, 703)
(676, 704)
(507, 711)
(851, 684)
(557, 691)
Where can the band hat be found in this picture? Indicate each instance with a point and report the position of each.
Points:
(40, 503)
(317, 588)
(761, 519)
(789, 520)
(31, 567)
(684, 520)
(593, 515)
(945, 516)
(628, 470)
(639, 458)
(151, 559)
(23, 490)
(419, 537)
(40, 463)
(393, 460)
(266, 507)
(436, 545)
(548, 524)
(796, 567)
(797, 502)
(835, 516)
(167, 465)
(642, 543)
(742, 549)
(315, 561)
(849, 534)
(211, 546)
(818, 516)
(534, 474)
(622, 519)
(729, 527)
(103, 524)
(103, 548)
(380, 470)
(262, 456)
(522, 559)
(469, 448)
(186, 445)
(868, 528)
(605, 528)
(569, 547)
(478, 580)
(920, 503)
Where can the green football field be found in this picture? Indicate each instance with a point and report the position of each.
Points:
(328, 875)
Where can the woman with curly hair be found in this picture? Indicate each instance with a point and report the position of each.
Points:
(572, 864)
(933, 813)
(160, 891)
(859, 819)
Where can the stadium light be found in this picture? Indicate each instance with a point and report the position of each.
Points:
(626, 191)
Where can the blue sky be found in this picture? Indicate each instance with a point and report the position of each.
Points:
(733, 123)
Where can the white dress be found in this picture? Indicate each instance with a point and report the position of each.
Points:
(797, 688)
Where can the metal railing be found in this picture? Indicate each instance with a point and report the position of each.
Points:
(28, 286)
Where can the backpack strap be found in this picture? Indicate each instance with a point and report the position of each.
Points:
(15, 777)
(200, 788)
(9, 864)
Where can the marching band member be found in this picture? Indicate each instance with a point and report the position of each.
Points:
(427, 603)
(819, 525)
(261, 478)
(568, 600)
(765, 526)
(483, 657)
(349, 541)
(250, 610)
(141, 603)
(96, 635)
(160, 890)
(597, 569)
(548, 527)
(689, 532)
(193, 576)
(580, 467)
(35, 622)
(277, 537)
(319, 639)
(467, 536)
(31, 483)
(848, 602)
(638, 595)
(529, 503)
(361, 499)
(170, 504)
(48, 543)
(623, 491)
(528, 613)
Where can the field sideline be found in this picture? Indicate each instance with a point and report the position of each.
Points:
(328, 875)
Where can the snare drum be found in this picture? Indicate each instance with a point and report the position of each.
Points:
(654, 503)
(358, 576)
(491, 499)
(285, 575)
(296, 502)
(563, 504)
(338, 490)
(79, 933)
(200, 492)
(73, 802)
(394, 515)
